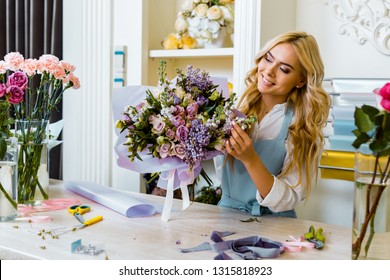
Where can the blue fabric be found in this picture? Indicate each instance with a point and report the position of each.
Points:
(238, 189)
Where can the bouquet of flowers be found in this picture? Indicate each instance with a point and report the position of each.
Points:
(201, 22)
(372, 133)
(34, 87)
(182, 123)
(186, 118)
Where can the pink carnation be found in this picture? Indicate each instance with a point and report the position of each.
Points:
(69, 68)
(50, 63)
(74, 80)
(30, 67)
(3, 67)
(14, 60)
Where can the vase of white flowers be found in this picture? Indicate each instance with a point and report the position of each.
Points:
(208, 22)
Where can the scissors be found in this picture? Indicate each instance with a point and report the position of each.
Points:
(77, 211)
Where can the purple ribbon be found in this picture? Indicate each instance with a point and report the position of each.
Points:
(248, 248)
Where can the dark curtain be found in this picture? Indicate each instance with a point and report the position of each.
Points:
(33, 28)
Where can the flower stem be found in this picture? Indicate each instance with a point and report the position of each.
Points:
(356, 246)
(13, 202)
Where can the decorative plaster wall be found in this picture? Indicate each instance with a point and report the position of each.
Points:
(365, 20)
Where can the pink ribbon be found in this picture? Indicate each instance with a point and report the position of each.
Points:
(46, 205)
(295, 245)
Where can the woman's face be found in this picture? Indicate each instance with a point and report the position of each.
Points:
(279, 72)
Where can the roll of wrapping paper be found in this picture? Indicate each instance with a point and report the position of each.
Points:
(337, 165)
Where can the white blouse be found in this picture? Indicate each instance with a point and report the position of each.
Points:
(283, 196)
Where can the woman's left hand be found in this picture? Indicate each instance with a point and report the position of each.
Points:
(240, 145)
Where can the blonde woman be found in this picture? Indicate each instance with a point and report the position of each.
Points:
(271, 168)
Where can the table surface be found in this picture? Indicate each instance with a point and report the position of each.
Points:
(150, 238)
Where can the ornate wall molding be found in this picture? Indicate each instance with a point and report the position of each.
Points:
(364, 20)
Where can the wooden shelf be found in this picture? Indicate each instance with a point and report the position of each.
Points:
(215, 53)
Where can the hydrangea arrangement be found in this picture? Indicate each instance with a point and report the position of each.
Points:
(201, 22)
(186, 118)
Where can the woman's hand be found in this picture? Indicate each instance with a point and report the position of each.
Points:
(240, 145)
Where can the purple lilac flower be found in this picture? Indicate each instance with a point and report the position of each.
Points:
(197, 78)
(201, 100)
(196, 142)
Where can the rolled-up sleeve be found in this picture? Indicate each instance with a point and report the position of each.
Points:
(283, 196)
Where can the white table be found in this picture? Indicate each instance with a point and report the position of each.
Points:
(150, 238)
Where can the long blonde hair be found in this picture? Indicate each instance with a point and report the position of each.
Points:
(310, 104)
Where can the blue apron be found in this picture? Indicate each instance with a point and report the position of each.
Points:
(238, 189)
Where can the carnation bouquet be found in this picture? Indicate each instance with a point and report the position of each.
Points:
(178, 125)
(34, 87)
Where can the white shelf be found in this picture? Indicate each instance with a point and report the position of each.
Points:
(217, 52)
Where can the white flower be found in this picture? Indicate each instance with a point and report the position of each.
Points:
(188, 5)
(204, 24)
(214, 13)
(200, 10)
(181, 25)
(206, 35)
(180, 92)
(213, 27)
(193, 22)
(193, 32)
(228, 14)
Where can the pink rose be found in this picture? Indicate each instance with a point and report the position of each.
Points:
(178, 121)
(385, 93)
(192, 110)
(14, 60)
(158, 124)
(171, 134)
(164, 150)
(3, 90)
(179, 151)
(181, 133)
(18, 79)
(16, 94)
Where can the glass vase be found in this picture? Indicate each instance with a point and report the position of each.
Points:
(371, 208)
(8, 182)
(33, 161)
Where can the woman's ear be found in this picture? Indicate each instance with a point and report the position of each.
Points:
(300, 84)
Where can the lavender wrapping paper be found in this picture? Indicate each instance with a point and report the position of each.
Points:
(120, 201)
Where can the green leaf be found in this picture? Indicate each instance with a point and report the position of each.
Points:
(250, 220)
(378, 146)
(362, 120)
(371, 111)
(361, 139)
